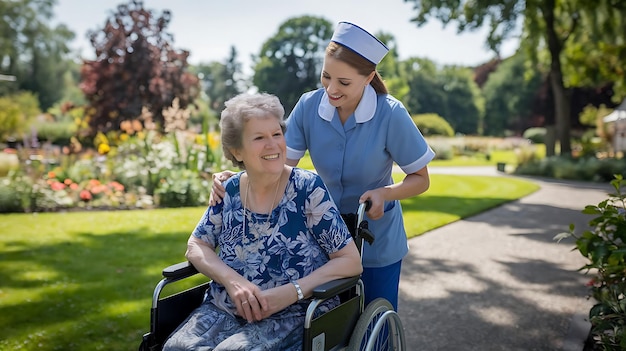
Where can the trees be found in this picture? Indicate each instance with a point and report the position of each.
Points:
(221, 81)
(449, 91)
(31, 51)
(465, 102)
(509, 94)
(135, 68)
(390, 68)
(290, 62)
(549, 26)
(426, 95)
(596, 57)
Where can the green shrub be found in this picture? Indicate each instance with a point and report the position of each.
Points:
(9, 198)
(604, 245)
(23, 195)
(182, 188)
(587, 168)
(16, 112)
(432, 124)
(536, 135)
(58, 133)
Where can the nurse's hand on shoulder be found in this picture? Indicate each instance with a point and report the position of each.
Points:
(376, 196)
(217, 189)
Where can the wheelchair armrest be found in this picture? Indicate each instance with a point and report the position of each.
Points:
(334, 287)
(180, 270)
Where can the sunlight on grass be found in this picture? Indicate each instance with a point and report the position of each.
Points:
(84, 280)
(452, 197)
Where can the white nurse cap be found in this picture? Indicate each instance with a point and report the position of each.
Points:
(360, 41)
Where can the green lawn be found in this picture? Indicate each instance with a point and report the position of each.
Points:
(83, 280)
(496, 156)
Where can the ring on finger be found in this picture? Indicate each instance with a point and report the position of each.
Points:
(243, 302)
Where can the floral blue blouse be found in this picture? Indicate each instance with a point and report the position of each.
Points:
(296, 239)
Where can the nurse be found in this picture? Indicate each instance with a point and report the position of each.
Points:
(355, 131)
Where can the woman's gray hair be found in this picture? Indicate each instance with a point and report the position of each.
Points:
(241, 109)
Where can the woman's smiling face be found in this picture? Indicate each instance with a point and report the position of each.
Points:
(344, 85)
(263, 145)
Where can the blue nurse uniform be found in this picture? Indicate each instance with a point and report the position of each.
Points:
(358, 156)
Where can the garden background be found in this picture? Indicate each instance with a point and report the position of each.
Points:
(106, 164)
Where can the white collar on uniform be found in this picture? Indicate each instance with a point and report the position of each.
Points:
(363, 113)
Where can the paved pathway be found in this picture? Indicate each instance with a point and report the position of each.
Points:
(498, 280)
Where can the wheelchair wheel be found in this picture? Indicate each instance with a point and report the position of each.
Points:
(378, 328)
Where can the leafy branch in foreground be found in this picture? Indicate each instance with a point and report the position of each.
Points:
(604, 245)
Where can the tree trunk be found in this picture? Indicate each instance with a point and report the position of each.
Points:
(559, 93)
(561, 112)
(550, 140)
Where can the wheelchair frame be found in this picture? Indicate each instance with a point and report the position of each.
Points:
(348, 326)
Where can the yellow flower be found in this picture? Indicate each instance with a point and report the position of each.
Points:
(214, 140)
(103, 149)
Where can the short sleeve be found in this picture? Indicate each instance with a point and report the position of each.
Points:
(295, 136)
(210, 225)
(406, 144)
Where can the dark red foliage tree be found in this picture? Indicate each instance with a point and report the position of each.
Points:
(135, 68)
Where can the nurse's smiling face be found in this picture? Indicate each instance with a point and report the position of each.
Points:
(344, 85)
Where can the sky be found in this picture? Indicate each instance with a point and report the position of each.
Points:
(208, 28)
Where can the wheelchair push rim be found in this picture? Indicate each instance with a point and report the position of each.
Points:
(379, 328)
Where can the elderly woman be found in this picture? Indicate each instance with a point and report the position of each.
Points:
(279, 236)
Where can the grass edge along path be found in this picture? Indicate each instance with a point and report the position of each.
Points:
(84, 280)
(451, 198)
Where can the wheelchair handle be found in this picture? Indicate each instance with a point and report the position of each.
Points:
(362, 231)
(363, 207)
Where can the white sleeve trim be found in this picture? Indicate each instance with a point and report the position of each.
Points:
(293, 154)
(419, 163)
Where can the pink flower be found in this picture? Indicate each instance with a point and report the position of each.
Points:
(117, 186)
(85, 195)
(56, 186)
(98, 189)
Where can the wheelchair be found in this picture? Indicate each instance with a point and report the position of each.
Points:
(349, 326)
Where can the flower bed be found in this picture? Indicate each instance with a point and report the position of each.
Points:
(145, 170)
